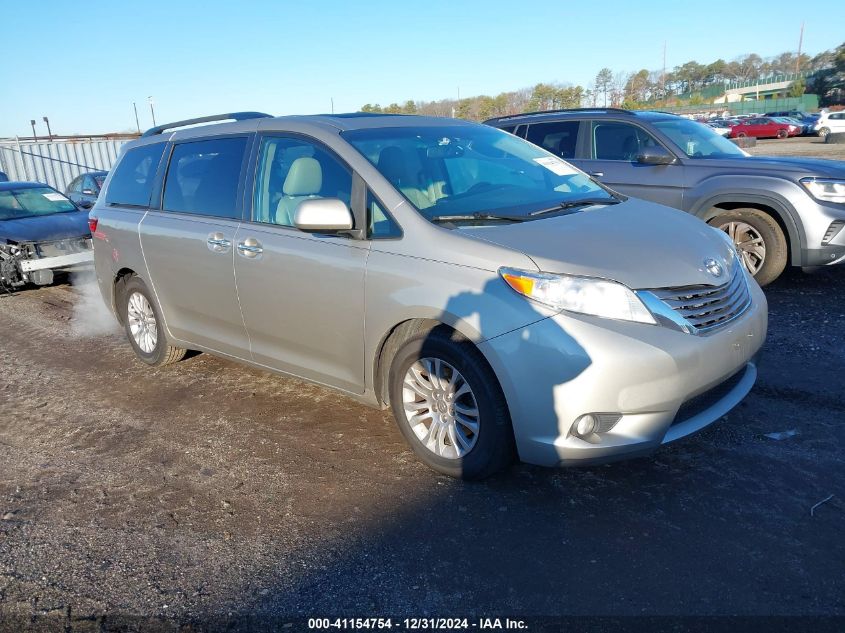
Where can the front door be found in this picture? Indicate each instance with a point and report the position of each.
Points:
(189, 244)
(301, 294)
(612, 160)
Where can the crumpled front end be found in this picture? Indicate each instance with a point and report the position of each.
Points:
(35, 262)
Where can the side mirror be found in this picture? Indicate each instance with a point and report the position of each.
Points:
(85, 204)
(323, 215)
(655, 155)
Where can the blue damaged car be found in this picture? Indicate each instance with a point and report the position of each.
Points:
(41, 231)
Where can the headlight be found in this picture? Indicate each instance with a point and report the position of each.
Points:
(825, 189)
(598, 297)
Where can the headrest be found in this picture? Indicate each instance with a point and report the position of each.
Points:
(391, 163)
(305, 178)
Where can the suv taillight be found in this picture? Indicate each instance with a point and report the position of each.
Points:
(92, 224)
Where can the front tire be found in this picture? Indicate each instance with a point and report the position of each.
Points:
(449, 406)
(823, 133)
(759, 240)
(783, 134)
(144, 326)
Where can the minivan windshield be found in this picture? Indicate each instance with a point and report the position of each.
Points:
(28, 202)
(475, 173)
(697, 140)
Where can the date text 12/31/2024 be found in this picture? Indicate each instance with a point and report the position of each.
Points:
(417, 624)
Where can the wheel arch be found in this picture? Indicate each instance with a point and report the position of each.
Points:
(396, 337)
(120, 278)
(779, 210)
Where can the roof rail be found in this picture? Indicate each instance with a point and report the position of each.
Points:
(231, 116)
(538, 112)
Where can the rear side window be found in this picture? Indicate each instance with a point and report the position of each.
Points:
(558, 137)
(132, 182)
(203, 177)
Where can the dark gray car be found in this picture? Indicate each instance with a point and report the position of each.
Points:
(84, 189)
(778, 211)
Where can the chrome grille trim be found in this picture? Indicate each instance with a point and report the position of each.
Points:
(703, 309)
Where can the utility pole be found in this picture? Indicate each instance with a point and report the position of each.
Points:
(137, 123)
(152, 110)
(49, 131)
(332, 99)
(32, 123)
(663, 76)
(800, 43)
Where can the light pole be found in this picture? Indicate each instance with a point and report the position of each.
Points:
(49, 131)
(152, 109)
(32, 123)
(137, 123)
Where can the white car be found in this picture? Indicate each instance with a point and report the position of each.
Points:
(830, 123)
(720, 129)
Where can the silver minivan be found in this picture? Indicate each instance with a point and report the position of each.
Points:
(500, 301)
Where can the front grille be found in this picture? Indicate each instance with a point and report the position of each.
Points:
(703, 401)
(832, 231)
(63, 247)
(708, 307)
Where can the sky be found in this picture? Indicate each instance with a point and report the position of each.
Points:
(83, 65)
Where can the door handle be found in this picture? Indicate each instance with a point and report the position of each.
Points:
(597, 174)
(250, 247)
(218, 243)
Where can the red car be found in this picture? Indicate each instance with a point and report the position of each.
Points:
(764, 127)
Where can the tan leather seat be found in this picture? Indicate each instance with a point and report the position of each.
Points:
(304, 181)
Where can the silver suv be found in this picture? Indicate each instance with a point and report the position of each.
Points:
(499, 300)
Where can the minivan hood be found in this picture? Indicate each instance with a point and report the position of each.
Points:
(55, 226)
(805, 166)
(638, 243)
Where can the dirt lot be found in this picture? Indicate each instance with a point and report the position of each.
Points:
(206, 493)
(805, 146)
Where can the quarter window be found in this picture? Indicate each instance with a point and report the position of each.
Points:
(619, 141)
(291, 170)
(558, 137)
(132, 182)
(203, 177)
(381, 225)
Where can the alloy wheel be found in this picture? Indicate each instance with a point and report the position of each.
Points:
(440, 408)
(142, 322)
(749, 243)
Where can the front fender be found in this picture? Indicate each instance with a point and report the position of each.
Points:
(781, 196)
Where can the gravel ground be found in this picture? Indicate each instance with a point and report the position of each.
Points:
(804, 146)
(206, 493)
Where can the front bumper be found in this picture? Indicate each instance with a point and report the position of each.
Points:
(557, 369)
(59, 261)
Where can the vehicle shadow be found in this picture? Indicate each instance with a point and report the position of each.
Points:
(714, 525)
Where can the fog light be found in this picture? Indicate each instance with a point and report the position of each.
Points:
(585, 425)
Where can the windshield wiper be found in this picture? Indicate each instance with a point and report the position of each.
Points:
(468, 217)
(571, 204)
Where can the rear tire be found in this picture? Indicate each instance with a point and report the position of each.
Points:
(415, 398)
(747, 227)
(144, 326)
